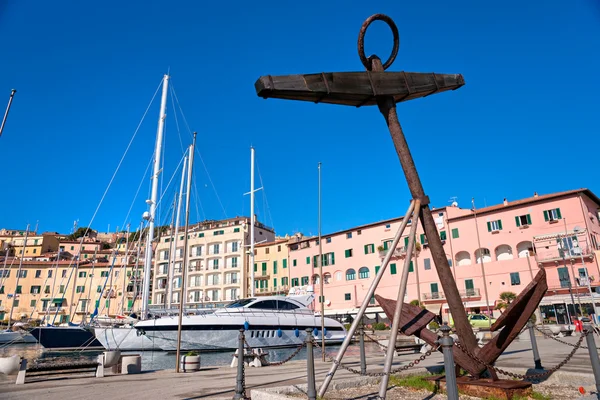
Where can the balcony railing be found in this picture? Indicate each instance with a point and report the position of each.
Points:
(399, 251)
(53, 310)
(465, 294)
(556, 254)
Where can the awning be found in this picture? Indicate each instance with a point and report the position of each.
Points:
(472, 304)
(554, 235)
(566, 298)
(434, 308)
(54, 301)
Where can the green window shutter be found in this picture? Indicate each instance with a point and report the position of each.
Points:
(308, 260)
(274, 282)
(489, 225)
(422, 238)
(558, 213)
(274, 267)
(366, 249)
(500, 224)
(518, 221)
(455, 234)
(393, 269)
(385, 246)
(546, 216)
(469, 284)
(443, 235)
(285, 263)
(315, 261)
(410, 267)
(377, 269)
(294, 263)
(264, 267)
(528, 219)
(332, 258)
(406, 241)
(434, 288)
(347, 253)
(255, 267)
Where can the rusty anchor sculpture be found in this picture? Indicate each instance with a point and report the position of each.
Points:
(375, 86)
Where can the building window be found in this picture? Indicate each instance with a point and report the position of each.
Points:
(103, 274)
(99, 289)
(455, 233)
(32, 304)
(523, 220)
(328, 240)
(388, 226)
(35, 289)
(424, 240)
(308, 260)
(348, 253)
(427, 263)
(358, 232)
(449, 262)
(201, 235)
(216, 263)
(274, 267)
(234, 262)
(393, 269)
(216, 249)
(304, 280)
(38, 273)
(515, 279)
(284, 263)
(350, 274)
(47, 289)
(234, 246)
(82, 274)
(217, 233)
(369, 248)
(443, 235)
(348, 296)
(363, 273)
(377, 267)
(411, 268)
(15, 303)
(80, 289)
(264, 268)
(493, 226)
(294, 282)
(236, 230)
(469, 287)
(22, 274)
(49, 273)
(552, 215)
(294, 262)
(349, 235)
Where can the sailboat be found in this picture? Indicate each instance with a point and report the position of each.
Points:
(271, 321)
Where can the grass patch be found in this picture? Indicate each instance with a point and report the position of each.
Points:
(415, 382)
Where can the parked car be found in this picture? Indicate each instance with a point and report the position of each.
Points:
(476, 320)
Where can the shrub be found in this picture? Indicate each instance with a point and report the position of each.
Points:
(379, 326)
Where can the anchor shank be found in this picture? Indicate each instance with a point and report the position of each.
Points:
(387, 107)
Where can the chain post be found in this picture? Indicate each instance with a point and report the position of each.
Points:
(447, 343)
(311, 390)
(588, 329)
(536, 354)
(240, 390)
(363, 359)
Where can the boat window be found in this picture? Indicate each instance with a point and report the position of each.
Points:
(265, 305)
(285, 305)
(251, 334)
(263, 333)
(268, 333)
(240, 303)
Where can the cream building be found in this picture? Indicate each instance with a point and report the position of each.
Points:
(218, 263)
(271, 272)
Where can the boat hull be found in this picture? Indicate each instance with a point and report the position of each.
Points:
(66, 338)
(124, 338)
(216, 333)
(16, 338)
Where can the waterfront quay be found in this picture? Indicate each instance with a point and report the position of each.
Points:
(219, 382)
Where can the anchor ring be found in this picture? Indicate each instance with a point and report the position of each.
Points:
(361, 40)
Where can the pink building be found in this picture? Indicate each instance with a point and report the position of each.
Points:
(513, 241)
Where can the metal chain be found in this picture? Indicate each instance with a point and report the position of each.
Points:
(372, 339)
(519, 376)
(378, 374)
(294, 354)
(559, 340)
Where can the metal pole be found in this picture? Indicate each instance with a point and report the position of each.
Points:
(365, 302)
(487, 299)
(12, 306)
(389, 357)
(321, 283)
(185, 260)
(153, 199)
(10, 99)
(124, 293)
(311, 390)
(240, 390)
(252, 222)
(363, 359)
(588, 329)
(175, 236)
(447, 343)
(536, 354)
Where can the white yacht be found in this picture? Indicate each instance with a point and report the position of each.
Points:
(269, 321)
(120, 335)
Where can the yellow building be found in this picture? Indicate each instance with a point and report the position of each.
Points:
(64, 291)
(271, 272)
(36, 245)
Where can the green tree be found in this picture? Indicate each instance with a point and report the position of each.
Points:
(505, 299)
(80, 232)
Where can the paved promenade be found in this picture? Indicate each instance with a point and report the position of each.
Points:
(218, 383)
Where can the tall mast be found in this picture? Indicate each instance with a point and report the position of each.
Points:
(167, 301)
(12, 306)
(186, 255)
(124, 290)
(252, 221)
(10, 99)
(154, 196)
(321, 280)
(177, 219)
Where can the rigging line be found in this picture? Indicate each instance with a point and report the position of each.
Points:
(162, 163)
(176, 121)
(264, 193)
(138, 189)
(196, 149)
(170, 181)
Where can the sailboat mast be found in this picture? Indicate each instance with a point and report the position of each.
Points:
(154, 195)
(12, 306)
(177, 219)
(10, 99)
(252, 221)
(167, 300)
(124, 290)
(184, 263)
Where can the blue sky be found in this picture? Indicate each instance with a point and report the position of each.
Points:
(525, 121)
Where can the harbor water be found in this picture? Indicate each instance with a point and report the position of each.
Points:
(158, 360)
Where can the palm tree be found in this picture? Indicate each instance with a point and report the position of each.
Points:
(505, 299)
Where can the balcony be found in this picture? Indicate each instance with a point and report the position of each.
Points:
(464, 294)
(557, 254)
(49, 310)
(399, 252)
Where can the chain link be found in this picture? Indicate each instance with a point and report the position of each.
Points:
(294, 354)
(519, 376)
(378, 374)
(559, 340)
(376, 341)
